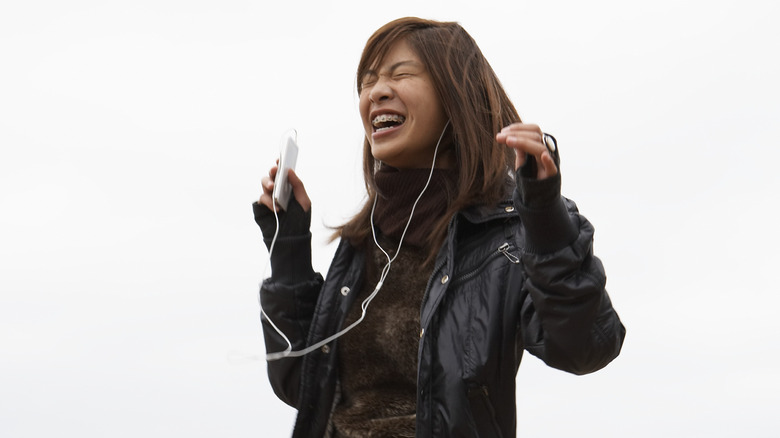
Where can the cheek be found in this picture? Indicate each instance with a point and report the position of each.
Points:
(363, 106)
(428, 104)
(432, 114)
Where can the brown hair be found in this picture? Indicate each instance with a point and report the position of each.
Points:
(473, 100)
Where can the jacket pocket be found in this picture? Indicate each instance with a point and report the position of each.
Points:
(483, 412)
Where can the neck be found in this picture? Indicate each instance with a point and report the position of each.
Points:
(397, 190)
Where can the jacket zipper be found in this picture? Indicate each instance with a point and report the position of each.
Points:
(502, 249)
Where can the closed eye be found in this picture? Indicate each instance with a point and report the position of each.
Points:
(368, 79)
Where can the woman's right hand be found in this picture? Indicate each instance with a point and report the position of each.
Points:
(299, 191)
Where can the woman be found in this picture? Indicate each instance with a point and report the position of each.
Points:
(464, 244)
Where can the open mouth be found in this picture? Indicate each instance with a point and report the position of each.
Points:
(384, 122)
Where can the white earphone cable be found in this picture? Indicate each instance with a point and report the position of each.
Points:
(364, 305)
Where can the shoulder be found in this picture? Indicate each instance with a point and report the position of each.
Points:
(478, 214)
(484, 225)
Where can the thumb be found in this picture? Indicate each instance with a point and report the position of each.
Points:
(299, 191)
(547, 167)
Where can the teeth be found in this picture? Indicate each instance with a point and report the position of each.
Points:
(384, 118)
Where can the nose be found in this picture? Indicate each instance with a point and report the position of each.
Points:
(381, 91)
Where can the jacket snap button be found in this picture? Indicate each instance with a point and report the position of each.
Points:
(509, 209)
(326, 349)
(344, 291)
(445, 279)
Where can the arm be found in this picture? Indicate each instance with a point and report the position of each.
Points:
(567, 318)
(289, 296)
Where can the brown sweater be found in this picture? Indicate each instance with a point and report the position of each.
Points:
(378, 358)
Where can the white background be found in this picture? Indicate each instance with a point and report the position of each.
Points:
(133, 137)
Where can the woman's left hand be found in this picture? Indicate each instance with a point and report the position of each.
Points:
(527, 139)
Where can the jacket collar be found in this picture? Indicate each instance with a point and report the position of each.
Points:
(482, 213)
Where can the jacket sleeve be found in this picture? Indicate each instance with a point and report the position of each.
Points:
(289, 296)
(567, 318)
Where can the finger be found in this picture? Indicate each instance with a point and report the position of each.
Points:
(522, 131)
(520, 158)
(511, 134)
(299, 191)
(547, 168)
(268, 184)
(523, 142)
(268, 200)
(530, 137)
(522, 127)
(530, 144)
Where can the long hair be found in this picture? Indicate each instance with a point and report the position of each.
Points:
(473, 100)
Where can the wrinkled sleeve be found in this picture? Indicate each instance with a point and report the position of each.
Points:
(289, 296)
(567, 318)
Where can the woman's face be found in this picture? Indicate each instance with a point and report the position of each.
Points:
(402, 115)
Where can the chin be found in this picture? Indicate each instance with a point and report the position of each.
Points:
(381, 154)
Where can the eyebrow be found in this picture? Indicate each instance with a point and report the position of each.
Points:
(393, 67)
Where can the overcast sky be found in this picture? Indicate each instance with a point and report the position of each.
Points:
(133, 136)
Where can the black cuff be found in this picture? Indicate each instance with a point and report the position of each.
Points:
(291, 259)
(538, 194)
(293, 222)
(547, 222)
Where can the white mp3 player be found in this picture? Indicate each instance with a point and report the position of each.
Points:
(287, 160)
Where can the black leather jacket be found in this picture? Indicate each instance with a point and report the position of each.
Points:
(506, 279)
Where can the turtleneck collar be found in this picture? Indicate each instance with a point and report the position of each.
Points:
(397, 191)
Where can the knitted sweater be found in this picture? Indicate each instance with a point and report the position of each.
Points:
(378, 358)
